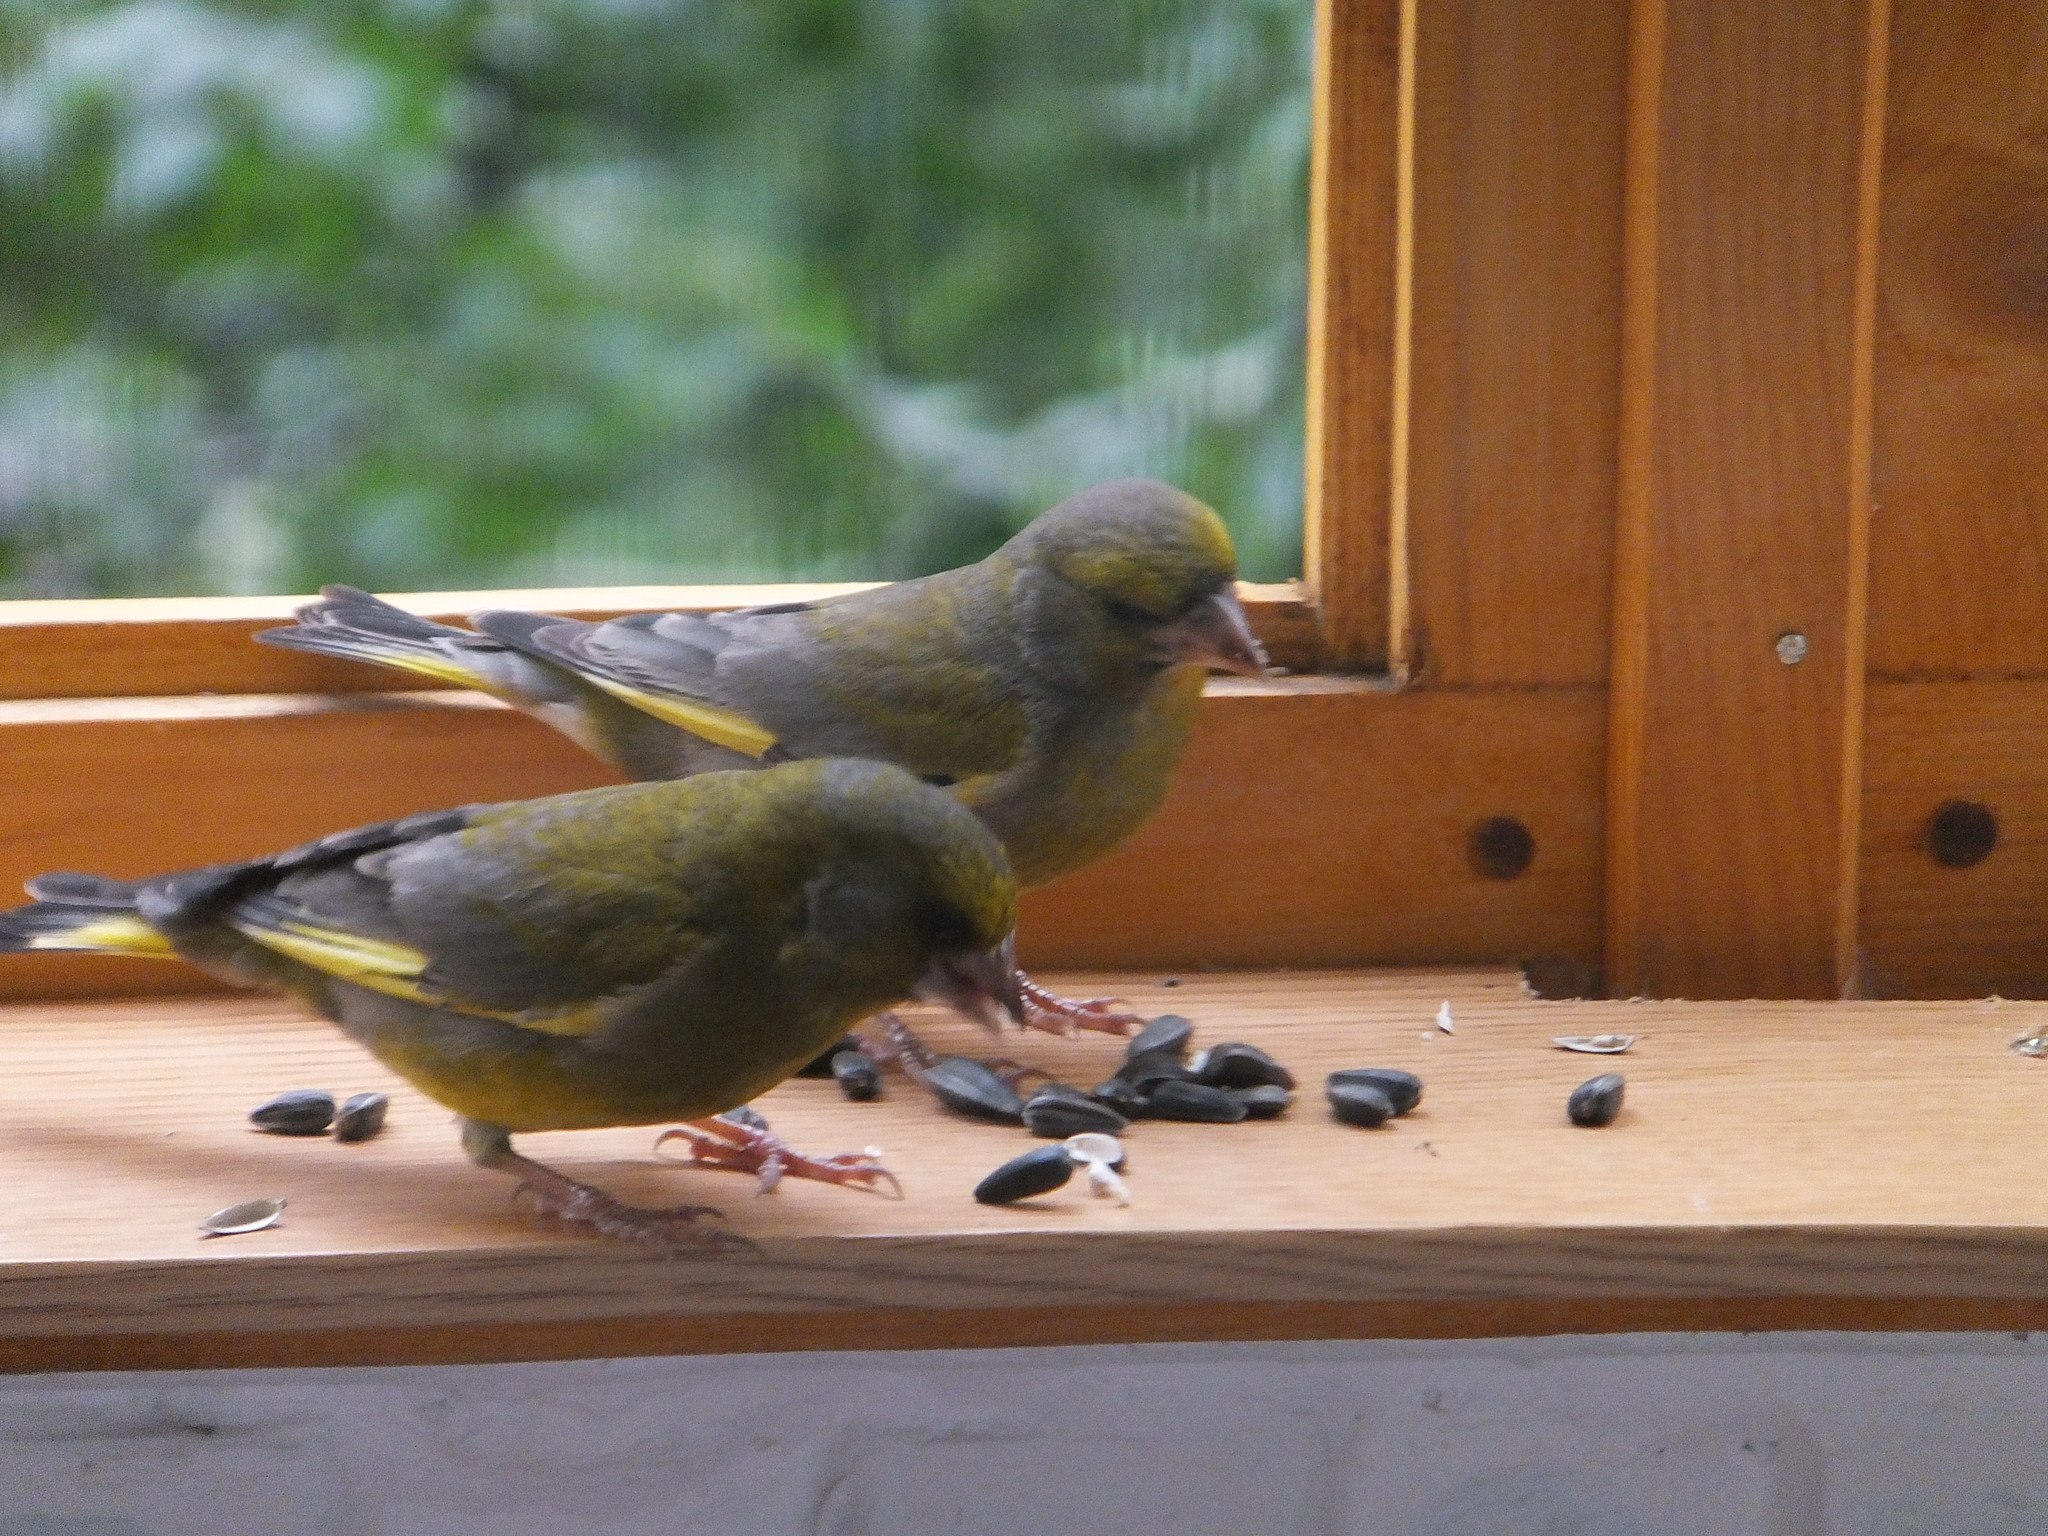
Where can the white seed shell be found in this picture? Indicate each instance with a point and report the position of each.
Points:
(1443, 1019)
(2031, 1045)
(1595, 1045)
(249, 1216)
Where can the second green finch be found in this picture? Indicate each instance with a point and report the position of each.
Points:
(621, 956)
(1050, 687)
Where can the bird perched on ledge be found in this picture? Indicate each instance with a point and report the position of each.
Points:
(1051, 687)
(621, 956)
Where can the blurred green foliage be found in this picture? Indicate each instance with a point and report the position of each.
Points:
(426, 293)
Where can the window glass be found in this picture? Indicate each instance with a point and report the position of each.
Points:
(425, 294)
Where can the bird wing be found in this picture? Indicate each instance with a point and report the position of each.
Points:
(529, 914)
(667, 676)
(911, 673)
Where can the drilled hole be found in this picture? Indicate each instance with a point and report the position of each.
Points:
(1961, 833)
(1500, 848)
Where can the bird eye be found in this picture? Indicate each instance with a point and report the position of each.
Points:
(1126, 613)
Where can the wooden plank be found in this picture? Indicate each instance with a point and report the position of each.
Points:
(1960, 556)
(1352, 298)
(1931, 930)
(1312, 822)
(1731, 854)
(1760, 1170)
(1518, 188)
(109, 648)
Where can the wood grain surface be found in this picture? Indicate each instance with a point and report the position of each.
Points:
(1354, 291)
(1865, 1164)
(1960, 549)
(129, 647)
(1312, 821)
(1517, 274)
(1731, 783)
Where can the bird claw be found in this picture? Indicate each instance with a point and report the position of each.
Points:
(672, 1231)
(1047, 1010)
(745, 1149)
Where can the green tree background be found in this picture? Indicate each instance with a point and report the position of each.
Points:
(426, 293)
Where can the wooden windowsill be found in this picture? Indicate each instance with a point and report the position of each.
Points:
(1777, 1165)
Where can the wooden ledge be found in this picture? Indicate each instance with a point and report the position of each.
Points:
(1778, 1165)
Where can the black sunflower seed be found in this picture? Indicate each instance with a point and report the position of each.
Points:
(1596, 1101)
(1169, 1032)
(858, 1076)
(1126, 1098)
(1403, 1089)
(1142, 1072)
(747, 1115)
(302, 1112)
(1176, 1100)
(1037, 1172)
(1359, 1103)
(820, 1065)
(1234, 1064)
(361, 1117)
(1058, 1111)
(968, 1087)
(1263, 1102)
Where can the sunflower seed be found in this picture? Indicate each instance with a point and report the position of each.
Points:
(1037, 1172)
(1596, 1101)
(820, 1065)
(1126, 1098)
(746, 1115)
(1264, 1102)
(2031, 1045)
(249, 1216)
(1357, 1103)
(1403, 1089)
(1595, 1045)
(1443, 1019)
(1173, 1099)
(361, 1117)
(969, 1087)
(302, 1112)
(1234, 1064)
(1168, 1032)
(858, 1076)
(1143, 1071)
(1058, 1111)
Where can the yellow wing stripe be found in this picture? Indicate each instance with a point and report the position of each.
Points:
(377, 965)
(110, 936)
(440, 670)
(348, 955)
(721, 726)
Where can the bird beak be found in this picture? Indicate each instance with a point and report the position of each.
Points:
(983, 987)
(1216, 634)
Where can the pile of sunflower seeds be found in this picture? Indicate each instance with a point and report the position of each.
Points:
(311, 1112)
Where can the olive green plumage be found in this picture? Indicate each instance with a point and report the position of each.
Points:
(619, 956)
(1051, 686)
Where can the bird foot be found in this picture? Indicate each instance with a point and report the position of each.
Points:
(891, 1042)
(745, 1149)
(673, 1230)
(1058, 1015)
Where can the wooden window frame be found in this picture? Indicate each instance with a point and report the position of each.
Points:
(1597, 397)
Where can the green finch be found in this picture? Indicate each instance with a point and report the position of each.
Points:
(620, 956)
(1050, 687)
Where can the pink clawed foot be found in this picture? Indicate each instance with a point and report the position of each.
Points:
(743, 1149)
(673, 1230)
(1058, 1015)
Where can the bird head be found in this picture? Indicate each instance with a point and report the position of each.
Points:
(1139, 576)
(918, 900)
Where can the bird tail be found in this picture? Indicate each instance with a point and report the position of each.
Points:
(351, 623)
(82, 912)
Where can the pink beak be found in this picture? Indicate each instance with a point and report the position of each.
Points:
(1216, 634)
